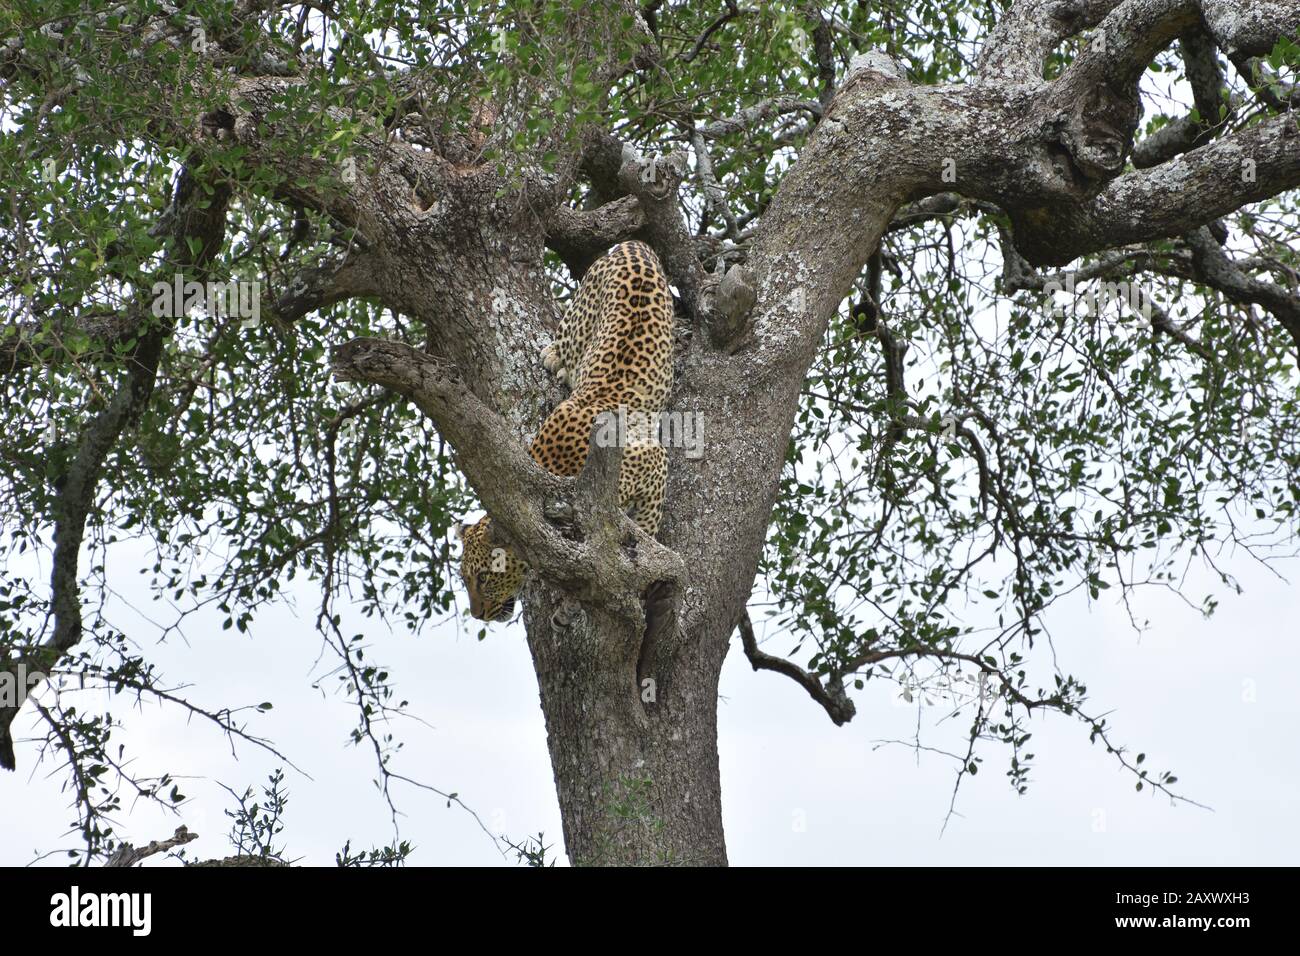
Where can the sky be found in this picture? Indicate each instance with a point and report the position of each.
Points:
(1216, 701)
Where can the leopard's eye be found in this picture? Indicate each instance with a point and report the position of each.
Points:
(482, 578)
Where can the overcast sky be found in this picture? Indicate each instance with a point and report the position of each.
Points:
(1216, 701)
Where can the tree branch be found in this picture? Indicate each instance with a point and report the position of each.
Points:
(581, 236)
(1251, 28)
(127, 855)
(530, 504)
(1174, 198)
(831, 696)
(1214, 268)
(1206, 78)
(195, 216)
(1014, 52)
(321, 285)
(751, 116)
(719, 21)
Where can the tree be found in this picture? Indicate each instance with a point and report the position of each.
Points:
(898, 437)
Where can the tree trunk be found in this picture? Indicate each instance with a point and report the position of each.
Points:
(631, 705)
(635, 760)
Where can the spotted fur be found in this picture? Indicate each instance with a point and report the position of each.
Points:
(615, 351)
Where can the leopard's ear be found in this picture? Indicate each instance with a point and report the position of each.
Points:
(461, 528)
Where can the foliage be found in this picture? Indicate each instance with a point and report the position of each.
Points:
(393, 855)
(256, 823)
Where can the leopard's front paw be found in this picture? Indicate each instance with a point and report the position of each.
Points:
(551, 359)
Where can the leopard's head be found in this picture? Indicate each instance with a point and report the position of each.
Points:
(492, 574)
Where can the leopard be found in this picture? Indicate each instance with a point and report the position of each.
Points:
(614, 351)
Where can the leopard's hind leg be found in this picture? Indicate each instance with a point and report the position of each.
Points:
(641, 483)
(564, 356)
